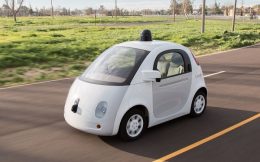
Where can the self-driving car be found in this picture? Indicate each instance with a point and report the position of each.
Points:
(136, 85)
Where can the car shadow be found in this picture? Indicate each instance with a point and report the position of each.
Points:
(178, 133)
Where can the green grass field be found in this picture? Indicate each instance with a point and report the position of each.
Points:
(43, 48)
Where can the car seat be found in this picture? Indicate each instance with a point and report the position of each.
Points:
(163, 66)
(176, 65)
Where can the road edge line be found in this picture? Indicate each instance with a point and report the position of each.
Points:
(230, 50)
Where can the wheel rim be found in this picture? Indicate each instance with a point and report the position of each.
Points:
(134, 125)
(199, 104)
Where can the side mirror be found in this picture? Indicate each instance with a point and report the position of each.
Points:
(151, 75)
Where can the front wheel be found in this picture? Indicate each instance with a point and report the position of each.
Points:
(199, 104)
(132, 125)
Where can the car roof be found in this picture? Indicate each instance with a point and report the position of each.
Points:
(149, 45)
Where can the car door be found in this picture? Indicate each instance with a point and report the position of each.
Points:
(171, 92)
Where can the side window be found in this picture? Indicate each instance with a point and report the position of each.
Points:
(176, 65)
(170, 64)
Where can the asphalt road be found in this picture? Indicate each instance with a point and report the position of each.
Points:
(32, 127)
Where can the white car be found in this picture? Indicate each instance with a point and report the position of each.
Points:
(136, 85)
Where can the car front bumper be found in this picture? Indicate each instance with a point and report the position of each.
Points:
(103, 127)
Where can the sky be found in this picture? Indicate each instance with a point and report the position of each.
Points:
(127, 4)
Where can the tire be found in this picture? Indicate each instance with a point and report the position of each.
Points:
(200, 98)
(133, 125)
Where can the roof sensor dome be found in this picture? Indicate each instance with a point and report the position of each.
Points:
(146, 35)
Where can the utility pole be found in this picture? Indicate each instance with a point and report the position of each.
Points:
(215, 9)
(242, 8)
(116, 9)
(234, 16)
(52, 12)
(203, 16)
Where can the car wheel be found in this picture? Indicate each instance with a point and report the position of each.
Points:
(133, 125)
(199, 104)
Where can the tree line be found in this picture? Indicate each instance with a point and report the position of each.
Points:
(14, 8)
(7, 10)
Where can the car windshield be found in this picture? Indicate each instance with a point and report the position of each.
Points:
(115, 65)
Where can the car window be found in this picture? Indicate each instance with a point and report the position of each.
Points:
(170, 64)
(115, 65)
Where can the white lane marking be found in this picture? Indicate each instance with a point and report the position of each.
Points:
(29, 84)
(222, 52)
(209, 75)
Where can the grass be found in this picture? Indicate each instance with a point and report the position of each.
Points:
(42, 48)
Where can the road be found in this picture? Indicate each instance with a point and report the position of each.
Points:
(32, 127)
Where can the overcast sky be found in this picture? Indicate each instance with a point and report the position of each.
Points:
(127, 4)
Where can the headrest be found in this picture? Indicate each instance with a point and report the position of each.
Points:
(177, 59)
(162, 58)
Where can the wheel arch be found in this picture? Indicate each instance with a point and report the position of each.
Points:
(203, 89)
(139, 107)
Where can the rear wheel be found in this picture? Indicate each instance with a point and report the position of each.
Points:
(199, 104)
(133, 125)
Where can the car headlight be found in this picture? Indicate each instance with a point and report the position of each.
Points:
(101, 109)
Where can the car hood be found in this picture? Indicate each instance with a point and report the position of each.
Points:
(90, 95)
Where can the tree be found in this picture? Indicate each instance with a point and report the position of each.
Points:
(257, 9)
(30, 11)
(89, 11)
(24, 11)
(5, 10)
(102, 10)
(14, 6)
(173, 8)
(187, 7)
(216, 9)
